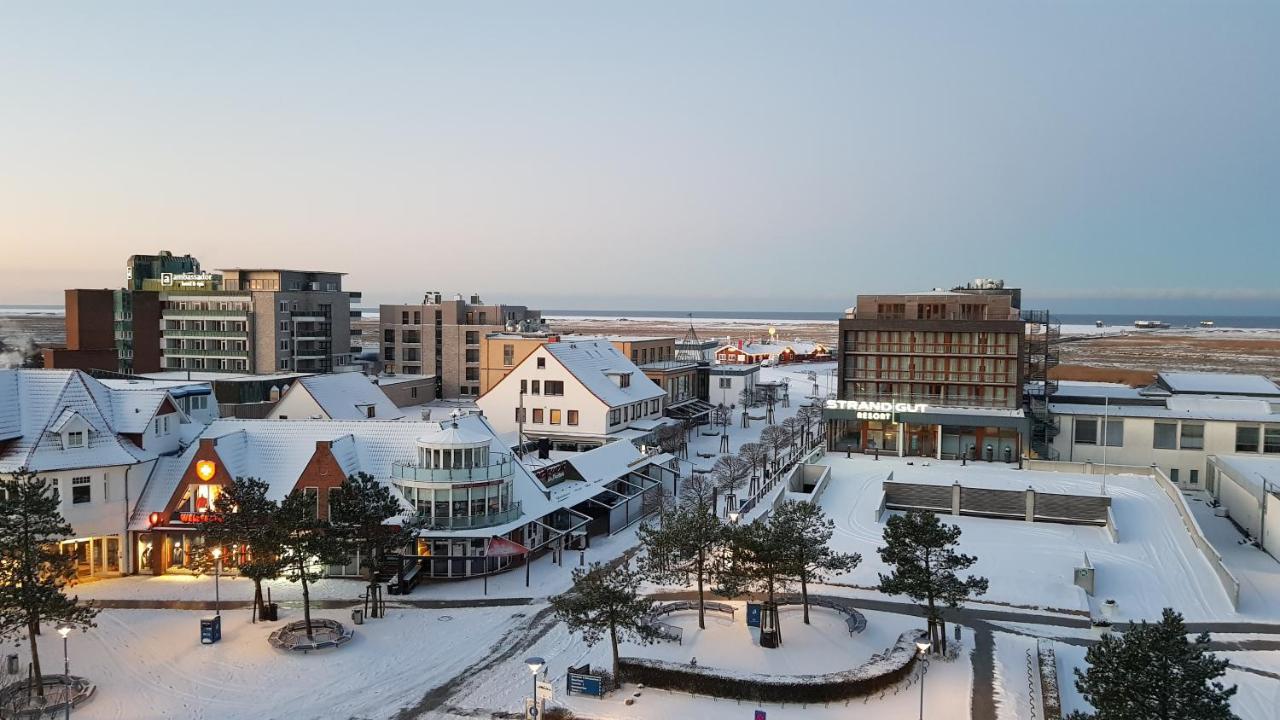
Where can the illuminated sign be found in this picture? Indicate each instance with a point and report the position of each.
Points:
(181, 517)
(206, 469)
(876, 410)
(186, 279)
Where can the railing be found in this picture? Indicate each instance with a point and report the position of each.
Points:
(889, 348)
(180, 312)
(185, 333)
(199, 352)
(413, 472)
(985, 378)
(468, 522)
(939, 400)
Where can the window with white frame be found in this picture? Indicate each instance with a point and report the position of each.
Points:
(81, 490)
(1191, 437)
(75, 439)
(726, 383)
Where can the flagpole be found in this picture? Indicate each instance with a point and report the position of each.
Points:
(1106, 421)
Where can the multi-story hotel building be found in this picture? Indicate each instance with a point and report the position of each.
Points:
(258, 321)
(443, 338)
(934, 374)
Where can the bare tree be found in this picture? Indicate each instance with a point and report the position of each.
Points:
(774, 439)
(757, 456)
(731, 473)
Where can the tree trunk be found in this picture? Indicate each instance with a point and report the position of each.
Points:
(942, 635)
(613, 640)
(702, 610)
(306, 603)
(804, 595)
(933, 623)
(33, 627)
(257, 599)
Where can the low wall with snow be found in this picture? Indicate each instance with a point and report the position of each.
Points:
(1087, 468)
(868, 678)
(1028, 504)
(1229, 582)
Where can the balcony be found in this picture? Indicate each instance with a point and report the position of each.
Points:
(930, 376)
(923, 349)
(181, 314)
(501, 467)
(184, 333)
(469, 522)
(937, 400)
(202, 352)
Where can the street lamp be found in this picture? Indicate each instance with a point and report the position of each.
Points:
(733, 517)
(64, 631)
(217, 574)
(923, 646)
(535, 664)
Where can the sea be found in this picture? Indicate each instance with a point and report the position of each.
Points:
(1250, 322)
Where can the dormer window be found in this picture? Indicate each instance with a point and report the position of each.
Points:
(75, 439)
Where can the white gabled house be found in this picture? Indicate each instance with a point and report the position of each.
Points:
(98, 441)
(575, 395)
(336, 396)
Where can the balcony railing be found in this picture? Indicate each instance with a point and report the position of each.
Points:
(201, 352)
(185, 333)
(937, 400)
(936, 376)
(413, 472)
(889, 348)
(180, 312)
(468, 522)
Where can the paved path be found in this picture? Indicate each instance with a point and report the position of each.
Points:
(325, 604)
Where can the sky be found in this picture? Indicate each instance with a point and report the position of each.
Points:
(708, 155)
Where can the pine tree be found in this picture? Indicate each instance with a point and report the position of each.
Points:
(359, 512)
(1152, 672)
(756, 560)
(684, 545)
(921, 551)
(606, 599)
(807, 532)
(308, 545)
(33, 573)
(248, 521)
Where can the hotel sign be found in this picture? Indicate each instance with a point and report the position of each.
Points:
(874, 409)
(186, 280)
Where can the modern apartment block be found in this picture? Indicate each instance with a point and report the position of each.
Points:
(937, 373)
(258, 321)
(443, 338)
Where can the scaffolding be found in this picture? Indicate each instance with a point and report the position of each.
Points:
(1043, 332)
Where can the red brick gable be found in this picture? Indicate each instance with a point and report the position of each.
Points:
(323, 473)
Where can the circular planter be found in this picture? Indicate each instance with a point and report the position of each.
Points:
(17, 700)
(325, 634)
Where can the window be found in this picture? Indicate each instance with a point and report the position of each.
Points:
(284, 326)
(1271, 440)
(199, 402)
(284, 306)
(524, 386)
(519, 415)
(537, 387)
(1192, 437)
(553, 387)
(1173, 474)
(542, 363)
(1114, 436)
(284, 364)
(726, 383)
(1195, 477)
(333, 491)
(284, 345)
(389, 336)
(157, 426)
(404, 317)
(573, 417)
(615, 417)
(537, 416)
(624, 380)
(473, 337)
(555, 417)
(473, 355)
(81, 492)
(413, 392)
(1165, 437)
(106, 487)
(75, 439)
(1086, 431)
(312, 495)
(508, 355)
(165, 425)
(389, 353)
(1246, 438)
(472, 374)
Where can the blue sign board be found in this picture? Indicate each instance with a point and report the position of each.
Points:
(585, 685)
(210, 630)
(759, 715)
(753, 614)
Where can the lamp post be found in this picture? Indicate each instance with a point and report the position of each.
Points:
(923, 646)
(64, 631)
(217, 574)
(535, 664)
(733, 517)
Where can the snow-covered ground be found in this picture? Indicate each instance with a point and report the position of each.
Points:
(1017, 678)
(150, 665)
(947, 685)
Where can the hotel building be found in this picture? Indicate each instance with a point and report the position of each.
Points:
(934, 374)
(444, 338)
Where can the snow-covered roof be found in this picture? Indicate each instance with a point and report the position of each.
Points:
(37, 404)
(455, 434)
(399, 378)
(207, 376)
(1252, 470)
(595, 364)
(277, 451)
(1184, 407)
(1206, 383)
(347, 396)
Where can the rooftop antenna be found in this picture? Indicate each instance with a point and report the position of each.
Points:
(691, 336)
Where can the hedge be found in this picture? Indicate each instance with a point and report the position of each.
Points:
(866, 679)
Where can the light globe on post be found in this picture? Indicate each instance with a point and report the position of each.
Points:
(923, 646)
(64, 631)
(217, 576)
(535, 664)
(733, 517)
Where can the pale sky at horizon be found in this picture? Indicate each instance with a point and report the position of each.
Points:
(652, 155)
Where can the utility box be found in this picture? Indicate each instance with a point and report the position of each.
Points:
(1084, 576)
(210, 629)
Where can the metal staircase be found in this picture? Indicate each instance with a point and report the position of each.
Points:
(1042, 335)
